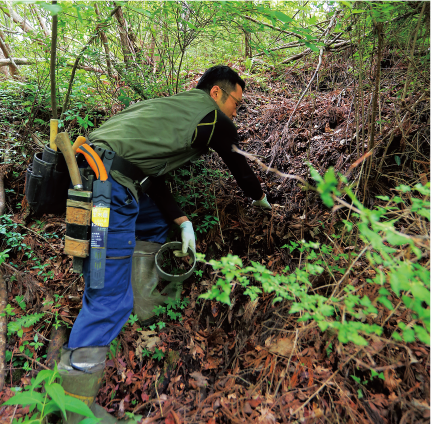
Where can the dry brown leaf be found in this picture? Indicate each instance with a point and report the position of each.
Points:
(266, 417)
(282, 346)
(390, 382)
(199, 379)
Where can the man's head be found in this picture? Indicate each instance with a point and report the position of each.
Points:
(225, 86)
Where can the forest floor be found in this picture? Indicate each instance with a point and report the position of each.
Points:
(250, 362)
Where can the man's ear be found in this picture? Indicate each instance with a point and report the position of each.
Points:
(214, 91)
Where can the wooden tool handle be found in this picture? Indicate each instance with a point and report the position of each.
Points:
(80, 140)
(63, 142)
(53, 129)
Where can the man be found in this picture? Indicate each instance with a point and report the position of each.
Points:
(150, 139)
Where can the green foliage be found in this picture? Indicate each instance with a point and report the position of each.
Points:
(345, 312)
(52, 400)
(25, 321)
(172, 311)
(14, 235)
(197, 194)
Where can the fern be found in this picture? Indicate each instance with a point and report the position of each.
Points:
(23, 322)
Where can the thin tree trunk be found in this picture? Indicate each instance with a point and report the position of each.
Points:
(247, 46)
(104, 39)
(40, 20)
(124, 38)
(53, 63)
(23, 23)
(7, 52)
(3, 69)
(75, 65)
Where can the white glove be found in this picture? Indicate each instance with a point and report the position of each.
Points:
(264, 204)
(187, 237)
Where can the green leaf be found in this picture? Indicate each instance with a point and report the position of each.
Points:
(385, 302)
(409, 335)
(422, 334)
(396, 336)
(54, 9)
(73, 404)
(420, 292)
(57, 395)
(282, 17)
(312, 46)
(224, 298)
(26, 398)
(403, 188)
(42, 376)
(396, 239)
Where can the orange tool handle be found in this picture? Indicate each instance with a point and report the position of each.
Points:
(94, 161)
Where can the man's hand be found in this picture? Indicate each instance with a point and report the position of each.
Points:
(187, 236)
(262, 203)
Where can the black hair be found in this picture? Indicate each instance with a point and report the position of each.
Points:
(220, 75)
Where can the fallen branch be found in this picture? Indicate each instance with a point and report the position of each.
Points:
(268, 169)
(17, 60)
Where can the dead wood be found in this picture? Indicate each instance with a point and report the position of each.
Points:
(58, 339)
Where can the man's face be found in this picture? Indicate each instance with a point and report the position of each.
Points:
(231, 104)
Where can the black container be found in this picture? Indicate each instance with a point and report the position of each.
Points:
(47, 182)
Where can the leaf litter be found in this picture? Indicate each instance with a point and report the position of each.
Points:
(250, 362)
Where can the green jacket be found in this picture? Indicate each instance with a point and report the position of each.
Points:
(157, 134)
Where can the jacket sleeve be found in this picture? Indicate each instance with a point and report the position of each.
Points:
(224, 137)
(162, 197)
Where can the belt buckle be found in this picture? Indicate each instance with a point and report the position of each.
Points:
(145, 184)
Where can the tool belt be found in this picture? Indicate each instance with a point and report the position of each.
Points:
(127, 168)
(47, 178)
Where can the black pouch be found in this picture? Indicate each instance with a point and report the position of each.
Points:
(47, 182)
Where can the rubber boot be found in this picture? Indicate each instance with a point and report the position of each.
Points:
(144, 282)
(82, 373)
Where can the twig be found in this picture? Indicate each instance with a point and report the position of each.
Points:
(42, 237)
(265, 167)
(219, 223)
(315, 393)
(32, 359)
(13, 415)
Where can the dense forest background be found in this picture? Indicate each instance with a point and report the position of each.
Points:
(316, 311)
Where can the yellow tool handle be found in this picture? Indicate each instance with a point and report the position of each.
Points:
(53, 130)
(80, 140)
(63, 142)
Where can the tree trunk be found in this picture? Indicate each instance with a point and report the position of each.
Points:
(40, 20)
(7, 53)
(53, 64)
(247, 46)
(3, 69)
(124, 38)
(104, 39)
(23, 23)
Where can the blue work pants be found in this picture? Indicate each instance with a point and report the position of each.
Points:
(105, 311)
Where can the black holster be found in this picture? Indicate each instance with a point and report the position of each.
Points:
(47, 182)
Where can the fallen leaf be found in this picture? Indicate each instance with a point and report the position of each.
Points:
(199, 379)
(282, 346)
